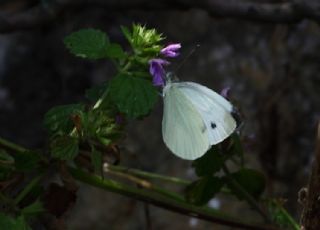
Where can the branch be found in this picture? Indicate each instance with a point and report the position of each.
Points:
(288, 12)
(164, 202)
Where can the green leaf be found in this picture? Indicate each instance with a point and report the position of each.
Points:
(204, 189)
(33, 209)
(133, 96)
(96, 159)
(209, 163)
(127, 33)
(88, 43)
(27, 161)
(65, 147)
(115, 51)
(236, 148)
(94, 93)
(252, 181)
(9, 223)
(58, 119)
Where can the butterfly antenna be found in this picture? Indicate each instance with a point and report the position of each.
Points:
(186, 58)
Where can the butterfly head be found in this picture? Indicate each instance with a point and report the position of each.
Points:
(171, 77)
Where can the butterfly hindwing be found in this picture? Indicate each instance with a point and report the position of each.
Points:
(183, 128)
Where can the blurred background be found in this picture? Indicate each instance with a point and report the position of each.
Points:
(271, 66)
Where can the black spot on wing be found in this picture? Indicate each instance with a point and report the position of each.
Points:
(213, 125)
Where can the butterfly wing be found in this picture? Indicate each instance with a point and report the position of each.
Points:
(214, 109)
(183, 129)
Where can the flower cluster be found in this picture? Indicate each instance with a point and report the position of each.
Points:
(157, 64)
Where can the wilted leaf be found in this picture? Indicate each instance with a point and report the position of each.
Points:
(58, 119)
(58, 200)
(202, 190)
(133, 96)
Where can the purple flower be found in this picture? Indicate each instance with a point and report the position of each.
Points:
(225, 92)
(157, 71)
(171, 50)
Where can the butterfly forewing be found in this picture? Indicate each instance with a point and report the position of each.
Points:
(213, 108)
(183, 128)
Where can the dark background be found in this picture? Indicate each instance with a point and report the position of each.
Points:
(270, 63)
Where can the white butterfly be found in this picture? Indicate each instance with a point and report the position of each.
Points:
(194, 119)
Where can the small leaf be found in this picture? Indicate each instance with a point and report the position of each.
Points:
(204, 189)
(126, 33)
(252, 181)
(115, 51)
(133, 95)
(10, 223)
(209, 163)
(88, 43)
(65, 147)
(33, 209)
(26, 162)
(58, 119)
(96, 159)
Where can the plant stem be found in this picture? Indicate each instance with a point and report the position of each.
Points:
(163, 201)
(148, 175)
(252, 202)
(12, 146)
(27, 189)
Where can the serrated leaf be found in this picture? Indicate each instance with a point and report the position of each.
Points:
(10, 223)
(65, 147)
(26, 162)
(115, 51)
(133, 96)
(209, 163)
(251, 180)
(96, 159)
(58, 119)
(88, 43)
(204, 189)
(33, 209)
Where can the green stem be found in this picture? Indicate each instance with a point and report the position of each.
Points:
(286, 215)
(163, 201)
(27, 189)
(12, 146)
(252, 202)
(148, 175)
